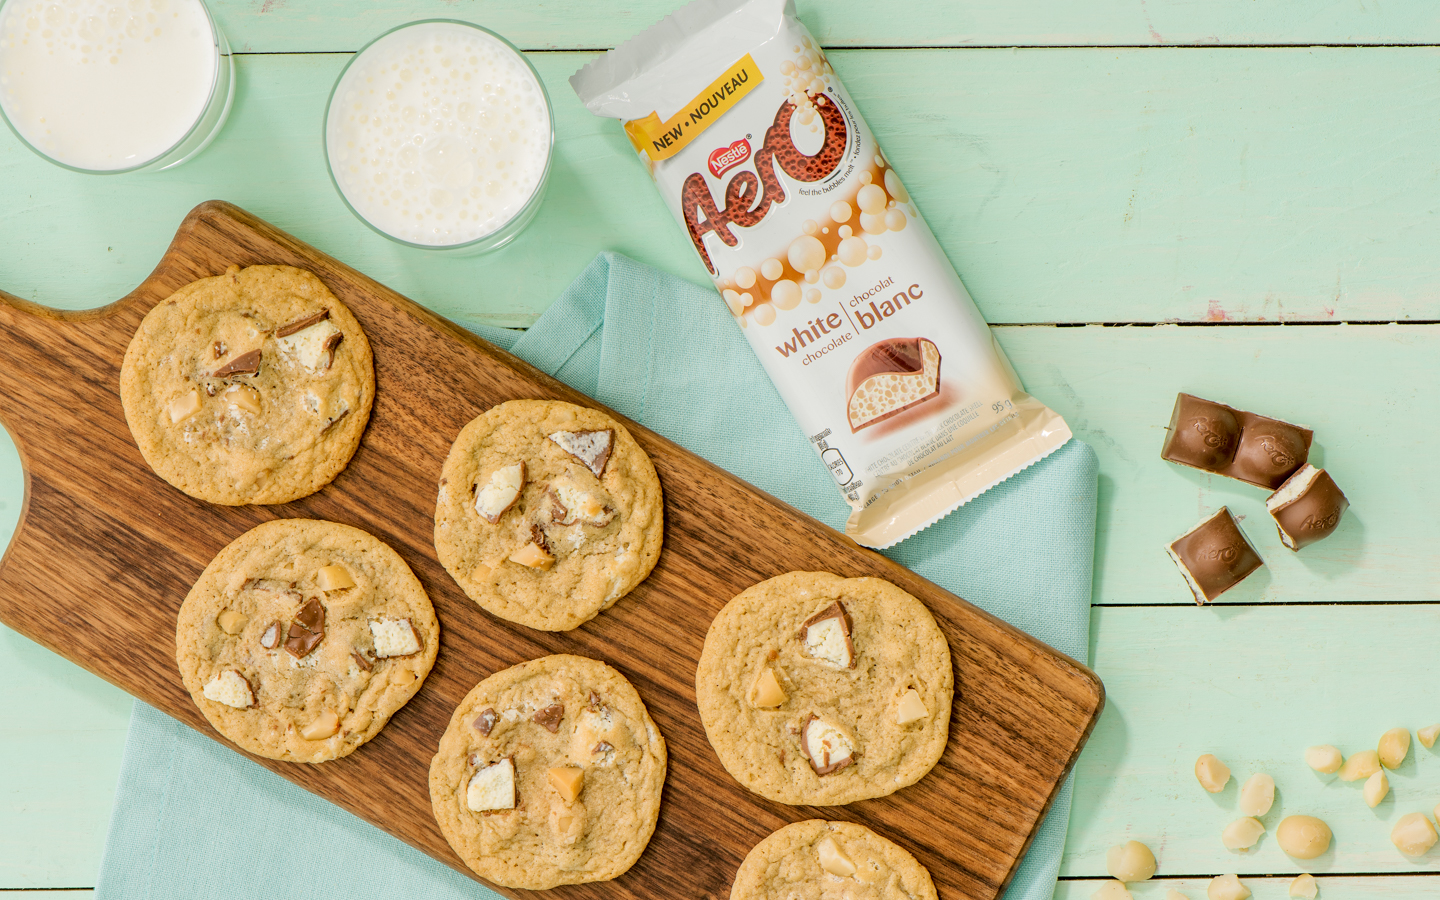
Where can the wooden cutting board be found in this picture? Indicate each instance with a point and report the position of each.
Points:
(106, 551)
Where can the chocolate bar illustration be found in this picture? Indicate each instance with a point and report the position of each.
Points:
(890, 377)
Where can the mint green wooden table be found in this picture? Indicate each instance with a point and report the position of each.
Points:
(1135, 167)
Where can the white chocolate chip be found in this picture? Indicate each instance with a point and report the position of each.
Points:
(1257, 795)
(230, 688)
(766, 692)
(500, 492)
(1242, 834)
(324, 725)
(231, 622)
(1413, 835)
(1324, 759)
(833, 859)
(1303, 837)
(393, 637)
(1394, 745)
(1427, 735)
(1304, 886)
(1111, 890)
(334, 578)
(1376, 787)
(1360, 765)
(1212, 774)
(1130, 861)
(311, 347)
(1226, 887)
(492, 787)
(910, 708)
(184, 406)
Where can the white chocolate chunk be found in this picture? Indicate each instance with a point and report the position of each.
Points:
(1226, 887)
(242, 397)
(1394, 745)
(1360, 765)
(592, 448)
(492, 787)
(910, 708)
(826, 746)
(767, 693)
(1111, 890)
(1212, 774)
(230, 688)
(231, 621)
(393, 637)
(500, 492)
(1427, 735)
(1304, 886)
(308, 346)
(325, 725)
(334, 578)
(1257, 795)
(567, 781)
(1413, 835)
(1376, 787)
(1324, 759)
(1130, 861)
(1242, 834)
(571, 503)
(532, 556)
(833, 859)
(184, 406)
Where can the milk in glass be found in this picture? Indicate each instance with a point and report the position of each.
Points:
(106, 85)
(438, 134)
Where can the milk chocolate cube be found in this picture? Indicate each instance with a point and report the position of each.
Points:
(1203, 435)
(1214, 556)
(1242, 445)
(1307, 507)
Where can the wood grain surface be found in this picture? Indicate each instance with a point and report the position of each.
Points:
(105, 552)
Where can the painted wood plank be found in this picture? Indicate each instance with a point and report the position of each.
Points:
(1368, 391)
(60, 754)
(1255, 686)
(1340, 887)
(291, 25)
(1075, 186)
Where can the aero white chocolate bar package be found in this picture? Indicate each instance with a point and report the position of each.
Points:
(821, 256)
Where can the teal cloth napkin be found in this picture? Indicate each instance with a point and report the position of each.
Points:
(194, 820)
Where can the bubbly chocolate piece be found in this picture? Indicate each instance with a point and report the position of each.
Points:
(890, 377)
(306, 631)
(825, 746)
(1307, 507)
(485, 722)
(1237, 444)
(825, 636)
(271, 638)
(592, 448)
(602, 747)
(550, 717)
(1214, 556)
(247, 363)
(361, 661)
(334, 420)
(302, 324)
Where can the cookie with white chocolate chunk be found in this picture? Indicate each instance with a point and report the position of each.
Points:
(249, 387)
(550, 773)
(548, 513)
(302, 638)
(820, 690)
(815, 859)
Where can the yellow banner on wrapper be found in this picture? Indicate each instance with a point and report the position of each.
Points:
(662, 140)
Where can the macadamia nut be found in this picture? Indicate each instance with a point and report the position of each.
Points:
(1376, 787)
(1226, 887)
(1130, 861)
(1324, 759)
(1111, 890)
(1303, 837)
(1427, 735)
(1212, 774)
(1257, 795)
(1304, 886)
(1360, 765)
(1413, 835)
(1242, 834)
(1394, 745)
(833, 859)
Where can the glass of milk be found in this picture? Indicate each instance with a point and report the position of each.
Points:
(438, 135)
(111, 86)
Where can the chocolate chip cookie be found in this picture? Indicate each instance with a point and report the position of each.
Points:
(548, 513)
(302, 638)
(818, 690)
(249, 387)
(817, 860)
(550, 773)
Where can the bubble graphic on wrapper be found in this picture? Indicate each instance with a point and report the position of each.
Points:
(785, 294)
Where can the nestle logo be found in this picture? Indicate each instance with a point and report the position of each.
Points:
(727, 158)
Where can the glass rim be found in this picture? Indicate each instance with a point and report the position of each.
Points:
(215, 39)
(536, 193)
